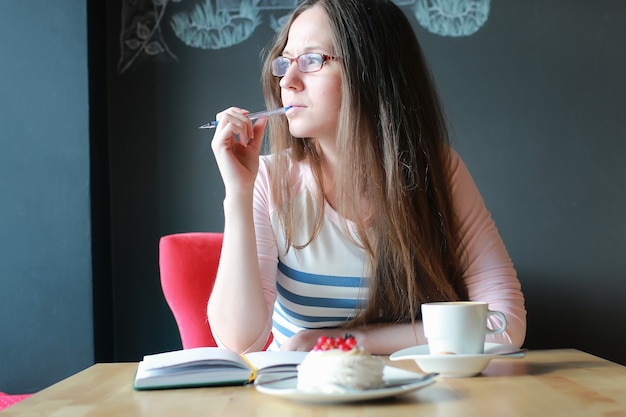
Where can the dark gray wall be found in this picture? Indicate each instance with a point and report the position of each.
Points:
(45, 248)
(536, 99)
(163, 174)
(536, 105)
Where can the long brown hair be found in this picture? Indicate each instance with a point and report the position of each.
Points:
(393, 148)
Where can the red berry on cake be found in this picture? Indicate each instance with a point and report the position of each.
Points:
(345, 343)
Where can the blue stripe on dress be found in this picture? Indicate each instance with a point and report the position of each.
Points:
(318, 301)
(290, 314)
(327, 280)
(302, 303)
(282, 330)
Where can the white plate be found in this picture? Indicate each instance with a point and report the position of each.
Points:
(458, 366)
(287, 388)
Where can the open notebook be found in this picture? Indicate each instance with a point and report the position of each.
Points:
(211, 366)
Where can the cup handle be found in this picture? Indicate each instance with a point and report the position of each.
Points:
(502, 319)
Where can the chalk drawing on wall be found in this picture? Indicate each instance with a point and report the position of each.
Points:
(219, 24)
(207, 27)
(233, 5)
(228, 23)
(141, 33)
(452, 17)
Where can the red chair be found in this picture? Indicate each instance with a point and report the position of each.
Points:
(7, 400)
(188, 265)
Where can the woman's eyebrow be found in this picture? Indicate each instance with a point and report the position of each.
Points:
(306, 50)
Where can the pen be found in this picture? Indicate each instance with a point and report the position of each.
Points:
(251, 116)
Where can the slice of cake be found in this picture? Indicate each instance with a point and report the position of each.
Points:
(338, 365)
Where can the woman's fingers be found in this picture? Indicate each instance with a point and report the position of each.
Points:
(236, 145)
(236, 123)
(258, 130)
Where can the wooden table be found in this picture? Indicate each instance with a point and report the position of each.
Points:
(564, 382)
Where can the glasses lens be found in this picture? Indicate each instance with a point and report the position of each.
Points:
(280, 66)
(310, 62)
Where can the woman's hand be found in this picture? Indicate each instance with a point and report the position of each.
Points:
(236, 146)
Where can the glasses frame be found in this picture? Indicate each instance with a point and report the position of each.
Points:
(298, 60)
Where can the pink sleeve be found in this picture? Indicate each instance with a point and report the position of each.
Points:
(487, 268)
(265, 239)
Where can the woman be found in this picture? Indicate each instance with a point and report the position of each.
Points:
(362, 211)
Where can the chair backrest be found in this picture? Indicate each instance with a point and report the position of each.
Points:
(188, 265)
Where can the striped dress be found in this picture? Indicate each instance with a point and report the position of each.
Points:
(321, 285)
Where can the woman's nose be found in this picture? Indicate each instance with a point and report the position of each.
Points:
(292, 78)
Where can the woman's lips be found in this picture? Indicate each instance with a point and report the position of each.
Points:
(295, 107)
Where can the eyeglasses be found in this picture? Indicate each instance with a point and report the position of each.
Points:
(311, 62)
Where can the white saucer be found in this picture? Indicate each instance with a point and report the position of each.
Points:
(286, 388)
(457, 366)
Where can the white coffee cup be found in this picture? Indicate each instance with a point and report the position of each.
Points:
(458, 327)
